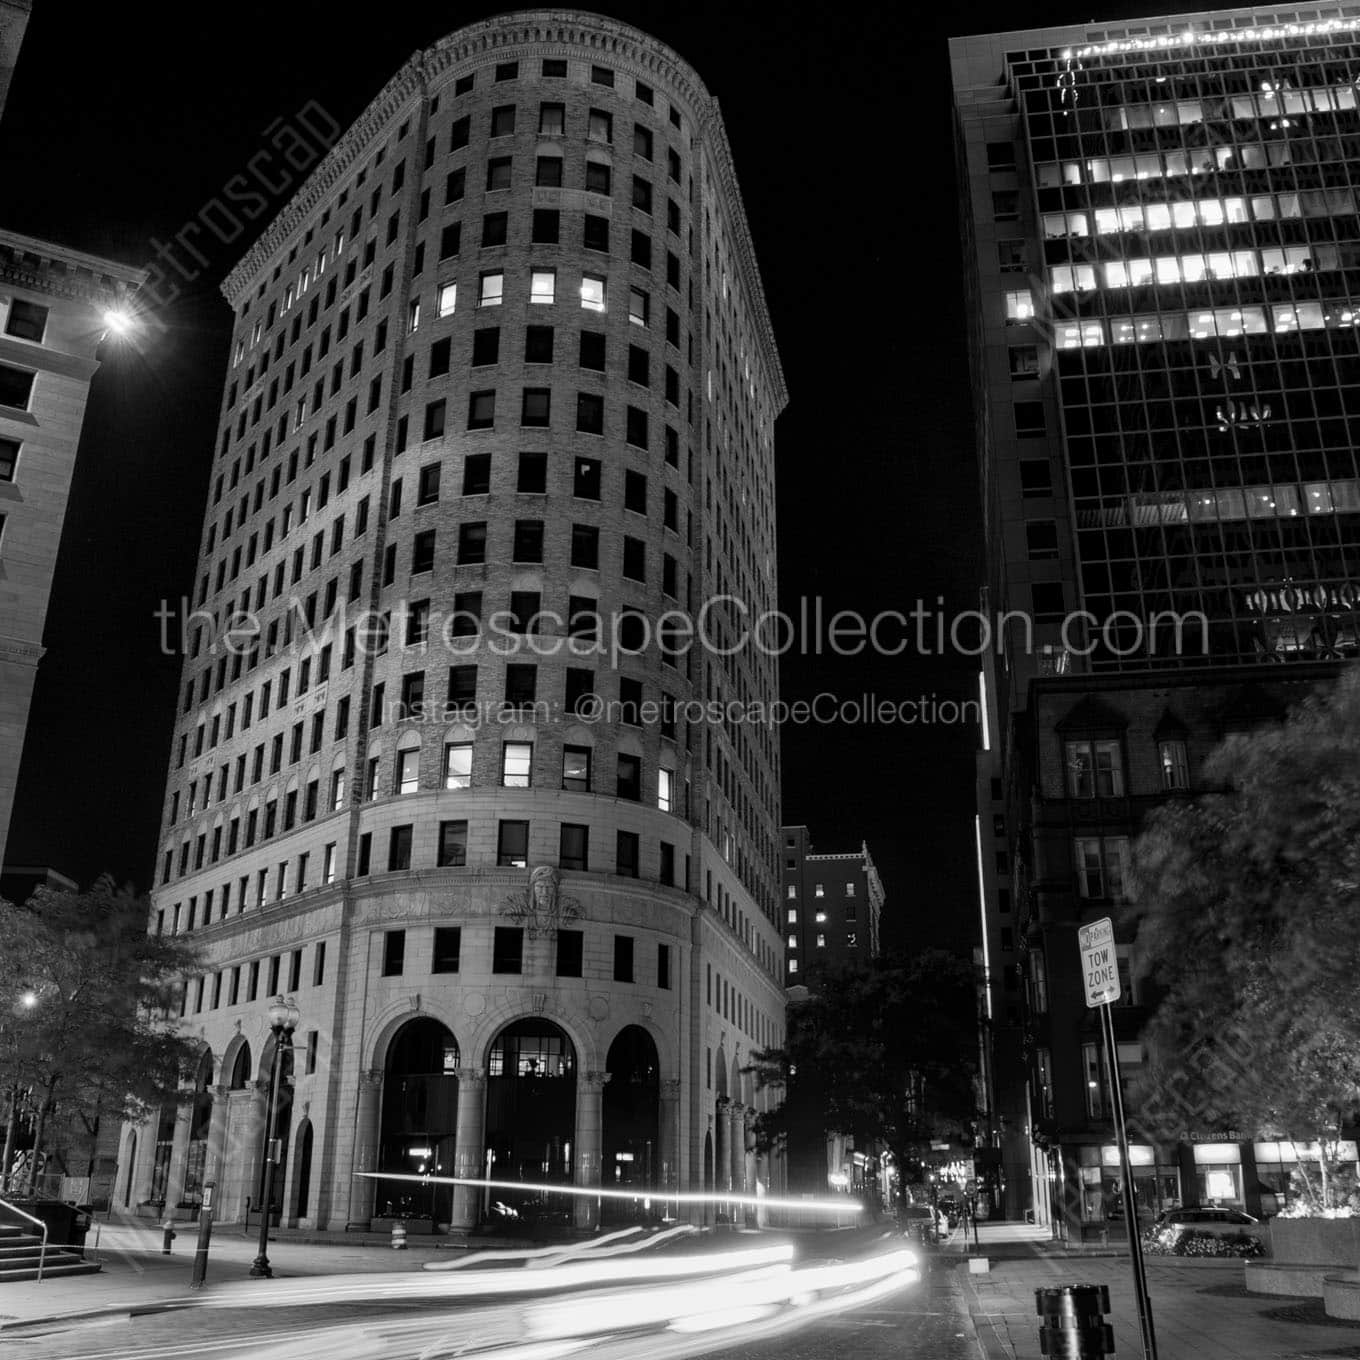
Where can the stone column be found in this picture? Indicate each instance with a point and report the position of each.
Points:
(179, 1150)
(241, 1157)
(367, 1118)
(145, 1161)
(217, 1136)
(722, 1153)
(469, 1148)
(589, 1141)
(738, 1154)
(668, 1138)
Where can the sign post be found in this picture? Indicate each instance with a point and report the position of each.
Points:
(1100, 975)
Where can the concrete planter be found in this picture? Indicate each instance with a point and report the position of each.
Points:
(1315, 1241)
(1310, 1258)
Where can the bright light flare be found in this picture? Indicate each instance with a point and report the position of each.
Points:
(29, 999)
(829, 1206)
(117, 321)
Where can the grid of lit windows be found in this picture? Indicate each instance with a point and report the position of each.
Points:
(1195, 204)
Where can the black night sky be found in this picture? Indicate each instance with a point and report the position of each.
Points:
(122, 123)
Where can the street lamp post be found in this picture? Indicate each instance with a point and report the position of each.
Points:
(28, 999)
(283, 1018)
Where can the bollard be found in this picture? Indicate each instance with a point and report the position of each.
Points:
(168, 1236)
(399, 1237)
(1074, 1322)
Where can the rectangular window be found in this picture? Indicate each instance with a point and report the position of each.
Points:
(623, 958)
(448, 944)
(1175, 765)
(663, 966)
(16, 386)
(1101, 866)
(543, 286)
(576, 765)
(512, 845)
(26, 320)
(407, 774)
(394, 952)
(458, 765)
(399, 848)
(492, 292)
(452, 845)
(1095, 769)
(630, 778)
(570, 952)
(517, 758)
(574, 851)
(507, 955)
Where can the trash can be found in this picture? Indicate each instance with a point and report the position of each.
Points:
(1074, 1322)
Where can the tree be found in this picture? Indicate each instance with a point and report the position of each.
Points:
(1245, 901)
(891, 1049)
(88, 997)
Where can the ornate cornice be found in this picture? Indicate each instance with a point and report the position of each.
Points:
(47, 267)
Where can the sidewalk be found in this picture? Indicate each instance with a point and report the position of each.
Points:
(136, 1276)
(1200, 1311)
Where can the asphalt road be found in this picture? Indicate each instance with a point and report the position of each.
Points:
(926, 1320)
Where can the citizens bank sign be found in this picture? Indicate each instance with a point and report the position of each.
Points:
(1291, 599)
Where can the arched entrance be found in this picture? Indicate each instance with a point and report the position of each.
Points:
(302, 1172)
(200, 1117)
(531, 1116)
(631, 1125)
(240, 1068)
(419, 1120)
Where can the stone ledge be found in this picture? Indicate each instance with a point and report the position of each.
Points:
(1341, 1295)
(1298, 1281)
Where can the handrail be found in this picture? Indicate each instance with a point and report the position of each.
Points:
(42, 1251)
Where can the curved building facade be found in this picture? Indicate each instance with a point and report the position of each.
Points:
(450, 768)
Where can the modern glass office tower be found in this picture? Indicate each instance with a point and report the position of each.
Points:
(501, 398)
(1161, 242)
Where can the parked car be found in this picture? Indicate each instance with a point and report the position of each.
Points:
(1211, 1219)
(921, 1222)
(949, 1207)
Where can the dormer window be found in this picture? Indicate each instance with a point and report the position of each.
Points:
(1095, 769)
(1174, 763)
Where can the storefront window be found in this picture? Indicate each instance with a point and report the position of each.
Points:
(1156, 1182)
(1218, 1174)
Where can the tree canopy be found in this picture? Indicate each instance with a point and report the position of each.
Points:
(88, 999)
(891, 1048)
(1247, 904)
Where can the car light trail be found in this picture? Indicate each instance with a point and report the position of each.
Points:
(665, 1322)
(572, 1274)
(829, 1206)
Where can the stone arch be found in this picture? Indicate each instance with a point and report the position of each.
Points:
(391, 1019)
(301, 1200)
(236, 1059)
(533, 1069)
(478, 1053)
(631, 1117)
(720, 1074)
(418, 1118)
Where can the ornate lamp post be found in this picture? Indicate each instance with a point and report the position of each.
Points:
(283, 1018)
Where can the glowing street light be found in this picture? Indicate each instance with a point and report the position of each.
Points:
(117, 321)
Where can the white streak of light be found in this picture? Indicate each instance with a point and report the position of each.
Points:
(836, 1206)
